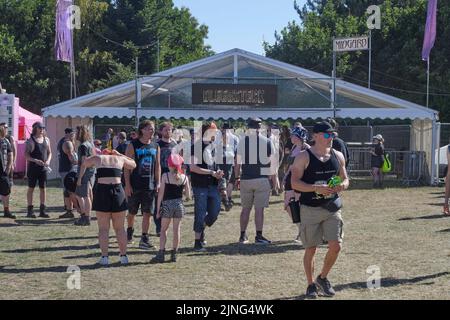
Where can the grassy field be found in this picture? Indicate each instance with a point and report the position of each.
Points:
(399, 230)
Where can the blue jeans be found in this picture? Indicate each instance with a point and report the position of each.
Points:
(206, 207)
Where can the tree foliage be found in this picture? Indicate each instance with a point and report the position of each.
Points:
(397, 66)
(27, 33)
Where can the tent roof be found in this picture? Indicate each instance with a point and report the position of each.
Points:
(302, 94)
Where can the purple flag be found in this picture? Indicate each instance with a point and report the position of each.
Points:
(63, 39)
(430, 29)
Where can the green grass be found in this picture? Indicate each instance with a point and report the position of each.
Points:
(400, 230)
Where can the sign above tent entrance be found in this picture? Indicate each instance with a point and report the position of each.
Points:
(234, 94)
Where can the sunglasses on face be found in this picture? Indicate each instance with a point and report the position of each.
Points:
(329, 135)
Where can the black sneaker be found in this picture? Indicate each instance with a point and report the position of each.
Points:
(67, 215)
(311, 291)
(243, 239)
(198, 246)
(130, 232)
(228, 206)
(325, 287)
(159, 258)
(145, 243)
(9, 215)
(262, 240)
(83, 221)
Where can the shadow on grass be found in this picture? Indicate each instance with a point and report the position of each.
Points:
(60, 269)
(385, 283)
(47, 209)
(73, 238)
(8, 224)
(435, 216)
(53, 249)
(40, 221)
(246, 249)
(228, 249)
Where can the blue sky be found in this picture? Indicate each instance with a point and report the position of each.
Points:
(241, 23)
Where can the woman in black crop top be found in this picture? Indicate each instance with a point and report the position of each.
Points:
(110, 201)
(170, 205)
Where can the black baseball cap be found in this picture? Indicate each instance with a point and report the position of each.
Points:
(68, 130)
(323, 127)
(254, 123)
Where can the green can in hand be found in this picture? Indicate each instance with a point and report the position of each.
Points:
(334, 181)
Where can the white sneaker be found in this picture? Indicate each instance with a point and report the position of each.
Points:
(104, 261)
(123, 259)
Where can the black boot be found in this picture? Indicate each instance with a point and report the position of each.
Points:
(173, 256)
(9, 215)
(30, 213)
(42, 213)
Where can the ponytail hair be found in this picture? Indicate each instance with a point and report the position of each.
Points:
(177, 174)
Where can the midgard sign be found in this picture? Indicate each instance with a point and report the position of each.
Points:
(234, 94)
(351, 44)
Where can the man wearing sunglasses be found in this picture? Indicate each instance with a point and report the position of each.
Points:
(320, 211)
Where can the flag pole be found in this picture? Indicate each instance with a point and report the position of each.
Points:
(428, 81)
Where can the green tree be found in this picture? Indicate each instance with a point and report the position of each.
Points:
(396, 49)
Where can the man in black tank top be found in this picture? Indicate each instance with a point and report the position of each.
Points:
(38, 155)
(314, 175)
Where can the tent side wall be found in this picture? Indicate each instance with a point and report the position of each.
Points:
(55, 131)
(422, 140)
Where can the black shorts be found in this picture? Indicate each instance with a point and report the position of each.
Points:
(109, 198)
(141, 198)
(35, 176)
(5, 186)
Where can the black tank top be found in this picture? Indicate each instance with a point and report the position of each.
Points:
(319, 172)
(64, 162)
(39, 152)
(109, 173)
(173, 191)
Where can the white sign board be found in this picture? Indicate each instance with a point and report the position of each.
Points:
(6, 110)
(351, 44)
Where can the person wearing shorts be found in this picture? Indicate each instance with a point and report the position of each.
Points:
(170, 206)
(299, 136)
(38, 155)
(109, 200)
(320, 204)
(6, 165)
(142, 183)
(254, 180)
(84, 190)
(67, 160)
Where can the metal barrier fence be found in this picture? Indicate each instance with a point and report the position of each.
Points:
(407, 166)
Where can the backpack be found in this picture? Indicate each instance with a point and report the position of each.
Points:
(387, 166)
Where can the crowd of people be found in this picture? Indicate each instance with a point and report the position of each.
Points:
(154, 170)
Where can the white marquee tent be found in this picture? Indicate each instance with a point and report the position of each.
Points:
(301, 93)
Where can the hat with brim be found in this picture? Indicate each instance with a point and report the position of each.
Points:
(324, 127)
(378, 137)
